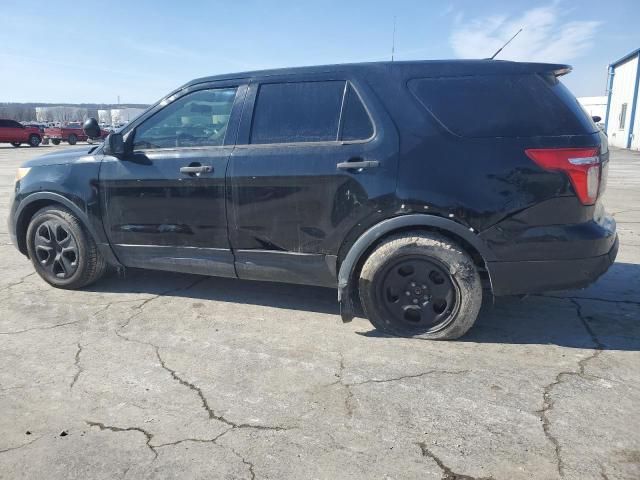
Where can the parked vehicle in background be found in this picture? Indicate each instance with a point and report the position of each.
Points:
(414, 188)
(39, 126)
(71, 133)
(16, 134)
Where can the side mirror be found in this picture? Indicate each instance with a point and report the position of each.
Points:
(114, 145)
(91, 128)
(596, 119)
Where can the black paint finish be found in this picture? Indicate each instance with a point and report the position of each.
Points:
(294, 212)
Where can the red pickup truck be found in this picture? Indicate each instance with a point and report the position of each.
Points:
(68, 133)
(71, 133)
(15, 133)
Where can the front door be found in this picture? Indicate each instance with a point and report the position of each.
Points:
(164, 205)
(314, 159)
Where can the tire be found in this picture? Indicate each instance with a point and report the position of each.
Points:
(420, 284)
(15, 144)
(72, 139)
(55, 141)
(63, 253)
(34, 140)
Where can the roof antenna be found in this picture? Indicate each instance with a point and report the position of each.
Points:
(393, 41)
(508, 42)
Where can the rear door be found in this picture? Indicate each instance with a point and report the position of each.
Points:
(165, 207)
(314, 158)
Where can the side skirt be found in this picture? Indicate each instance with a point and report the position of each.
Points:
(201, 261)
(287, 267)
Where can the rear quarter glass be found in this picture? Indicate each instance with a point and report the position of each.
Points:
(483, 106)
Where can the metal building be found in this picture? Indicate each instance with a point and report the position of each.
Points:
(622, 121)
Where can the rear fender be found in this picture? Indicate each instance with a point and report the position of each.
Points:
(368, 238)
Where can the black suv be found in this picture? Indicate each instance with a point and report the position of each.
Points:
(409, 186)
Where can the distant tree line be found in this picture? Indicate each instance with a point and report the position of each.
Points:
(54, 112)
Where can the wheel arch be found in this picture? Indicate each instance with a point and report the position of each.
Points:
(351, 261)
(36, 201)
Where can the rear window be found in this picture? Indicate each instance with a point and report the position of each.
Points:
(297, 112)
(502, 106)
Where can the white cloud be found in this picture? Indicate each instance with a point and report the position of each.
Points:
(547, 36)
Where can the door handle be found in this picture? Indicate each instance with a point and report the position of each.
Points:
(197, 169)
(358, 164)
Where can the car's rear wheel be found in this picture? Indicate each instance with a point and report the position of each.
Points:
(55, 141)
(63, 253)
(72, 139)
(34, 140)
(420, 284)
(15, 144)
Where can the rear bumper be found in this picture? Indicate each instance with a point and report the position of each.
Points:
(536, 276)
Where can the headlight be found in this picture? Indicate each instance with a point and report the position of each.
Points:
(22, 172)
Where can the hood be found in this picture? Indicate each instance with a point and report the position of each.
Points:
(71, 155)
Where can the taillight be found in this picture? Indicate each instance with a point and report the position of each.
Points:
(582, 165)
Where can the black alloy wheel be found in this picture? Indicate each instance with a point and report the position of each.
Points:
(56, 249)
(61, 249)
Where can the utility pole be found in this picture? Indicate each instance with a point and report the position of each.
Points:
(393, 39)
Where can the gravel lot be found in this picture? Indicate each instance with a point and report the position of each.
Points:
(159, 375)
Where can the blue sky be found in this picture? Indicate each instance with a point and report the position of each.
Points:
(62, 52)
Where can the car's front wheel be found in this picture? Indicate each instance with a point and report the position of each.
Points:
(72, 139)
(63, 253)
(34, 140)
(420, 284)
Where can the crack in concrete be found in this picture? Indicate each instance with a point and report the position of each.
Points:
(349, 397)
(595, 299)
(19, 282)
(57, 325)
(248, 463)
(205, 404)
(447, 473)
(112, 428)
(10, 449)
(549, 403)
(79, 368)
(146, 301)
(214, 441)
(195, 440)
(416, 375)
(48, 327)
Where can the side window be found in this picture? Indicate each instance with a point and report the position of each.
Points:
(4, 123)
(356, 123)
(297, 112)
(198, 119)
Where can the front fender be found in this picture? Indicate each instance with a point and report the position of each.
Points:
(26, 208)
